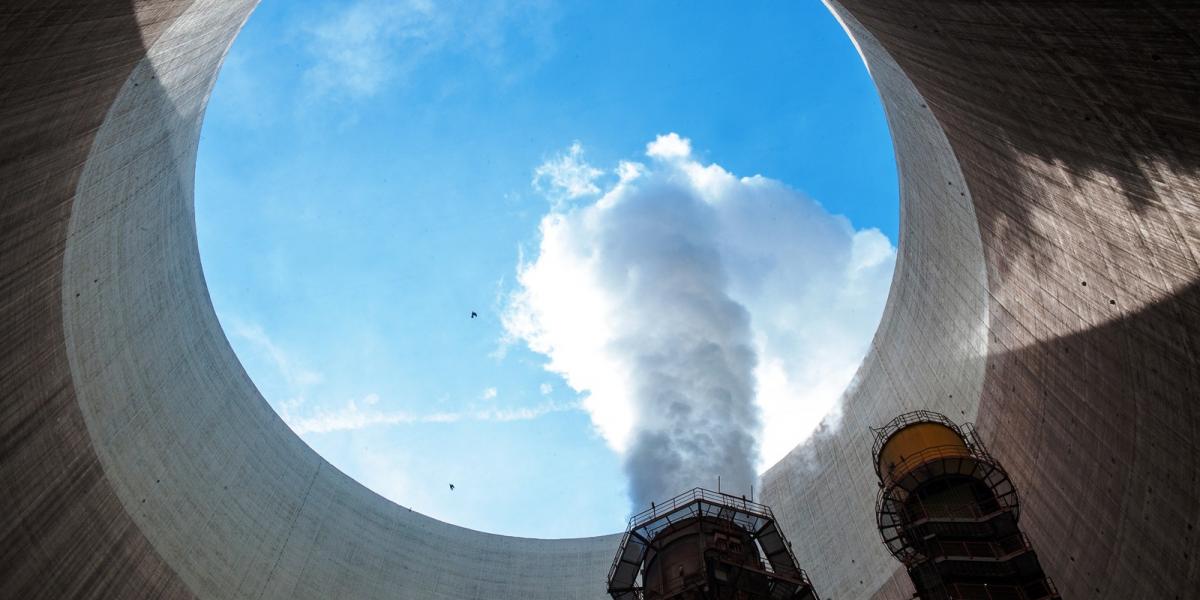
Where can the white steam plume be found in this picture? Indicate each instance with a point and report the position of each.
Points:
(689, 304)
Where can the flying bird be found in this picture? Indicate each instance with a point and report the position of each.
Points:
(474, 314)
(452, 487)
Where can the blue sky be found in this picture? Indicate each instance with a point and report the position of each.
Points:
(366, 179)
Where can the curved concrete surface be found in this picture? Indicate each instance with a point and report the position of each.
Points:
(1049, 161)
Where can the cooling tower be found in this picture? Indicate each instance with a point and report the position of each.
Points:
(1046, 289)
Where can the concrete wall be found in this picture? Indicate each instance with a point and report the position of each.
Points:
(1040, 146)
(929, 351)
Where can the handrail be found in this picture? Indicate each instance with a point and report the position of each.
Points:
(916, 509)
(1051, 589)
(1037, 590)
(971, 436)
(904, 420)
(672, 584)
(913, 462)
(1008, 546)
(661, 509)
(747, 515)
(612, 571)
(966, 431)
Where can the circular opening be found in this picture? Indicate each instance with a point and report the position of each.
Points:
(515, 267)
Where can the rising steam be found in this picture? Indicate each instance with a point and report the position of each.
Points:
(669, 297)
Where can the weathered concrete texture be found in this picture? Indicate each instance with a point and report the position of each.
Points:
(229, 497)
(1075, 128)
(1041, 146)
(929, 351)
(63, 531)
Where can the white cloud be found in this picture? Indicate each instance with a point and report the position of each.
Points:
(371, 43)
(351, 416)
(294, 375)
(354, 52)
(812, 285)
(669, 146)
(546, 389)
(306, 417)
(567, 176)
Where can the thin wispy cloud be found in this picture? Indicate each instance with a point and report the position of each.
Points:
(372, 43)
(355, 415)
(567, 176)
(305, 416)
(685, 293)
(291, 371)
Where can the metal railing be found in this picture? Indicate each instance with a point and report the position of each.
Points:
(746, 514)
(966, 431)
(660, 509)
(915, 511)
(882, 434)
(925, 455)
(974, 550)
(612, 571)
(674, 584)
(921, 464)
(898, 513)
(1042, 589)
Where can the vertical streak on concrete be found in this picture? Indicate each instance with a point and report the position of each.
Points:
(288, 538)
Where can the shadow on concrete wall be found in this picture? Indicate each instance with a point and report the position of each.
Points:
(1104, 95)
(63, 532)
(1101, 432)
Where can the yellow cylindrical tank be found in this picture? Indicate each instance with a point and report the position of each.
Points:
(916, 444)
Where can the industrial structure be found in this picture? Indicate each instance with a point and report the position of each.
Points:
(704, 545)
(949, 511)
(1047, 288)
